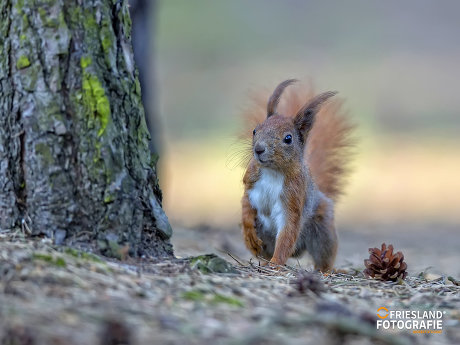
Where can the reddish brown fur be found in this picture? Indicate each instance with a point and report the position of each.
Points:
(329, 141)
(253, 243)
(294, 199)
(275, 97)
(323, 159)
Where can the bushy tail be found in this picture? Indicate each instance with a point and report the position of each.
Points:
(329, 142)
(328, 148)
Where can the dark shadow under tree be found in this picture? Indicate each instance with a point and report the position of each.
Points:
(74, 158)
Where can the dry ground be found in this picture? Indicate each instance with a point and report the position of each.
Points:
(427, 247)
(55, 295)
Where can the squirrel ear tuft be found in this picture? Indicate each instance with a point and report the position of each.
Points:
(275, 97)
(305, 118)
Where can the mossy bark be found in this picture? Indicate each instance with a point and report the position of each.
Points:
(74, 157)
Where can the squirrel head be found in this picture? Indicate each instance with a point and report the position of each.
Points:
(279, 141)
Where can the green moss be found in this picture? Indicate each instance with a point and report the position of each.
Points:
(108, 198)
(42, 13)
(227, 300)
(126, 19)
(74, 13)
(89, 21)
(48, 16)
(142, 132)
(61, 19)
(103, 110)
(211, 263)
(88, 100)
(95, 98)
(194, 295)
(200, 296)
(59, 262)
(106, 36)
(137, 85)
(154, 157)
(19, 5)
(44, 152)
(72, 252)
(25, 21)
(83, 255)
(22, 38)
(22, 62)
(106, 43)
(44, 257)
(98, 147)
(85, 61)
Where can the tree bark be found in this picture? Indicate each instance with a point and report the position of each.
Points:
(74, 158)
(142, 16)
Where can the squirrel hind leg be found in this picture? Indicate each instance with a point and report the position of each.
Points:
(321, 237)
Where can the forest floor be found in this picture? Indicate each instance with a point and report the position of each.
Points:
(58, 295)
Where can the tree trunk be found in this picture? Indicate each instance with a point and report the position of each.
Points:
(74, 158)
(142, 16)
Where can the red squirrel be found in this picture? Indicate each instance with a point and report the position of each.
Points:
(294, 177)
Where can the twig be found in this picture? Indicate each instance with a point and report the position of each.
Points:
(239, 262)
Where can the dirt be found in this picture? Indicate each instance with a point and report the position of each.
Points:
(427, 247)
(57, 295)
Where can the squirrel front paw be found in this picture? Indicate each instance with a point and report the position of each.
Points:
(277, 262)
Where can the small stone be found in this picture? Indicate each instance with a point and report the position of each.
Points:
(211, 263)
(431, 276)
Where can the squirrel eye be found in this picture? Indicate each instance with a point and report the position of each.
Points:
(254, 132)
(288, 139)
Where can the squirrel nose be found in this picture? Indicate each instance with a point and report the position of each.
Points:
(259, 149)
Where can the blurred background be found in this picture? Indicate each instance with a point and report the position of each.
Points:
(395, 63)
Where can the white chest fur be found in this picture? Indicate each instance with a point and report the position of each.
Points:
(265, 197)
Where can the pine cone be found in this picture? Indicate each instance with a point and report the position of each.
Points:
(384, 265)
